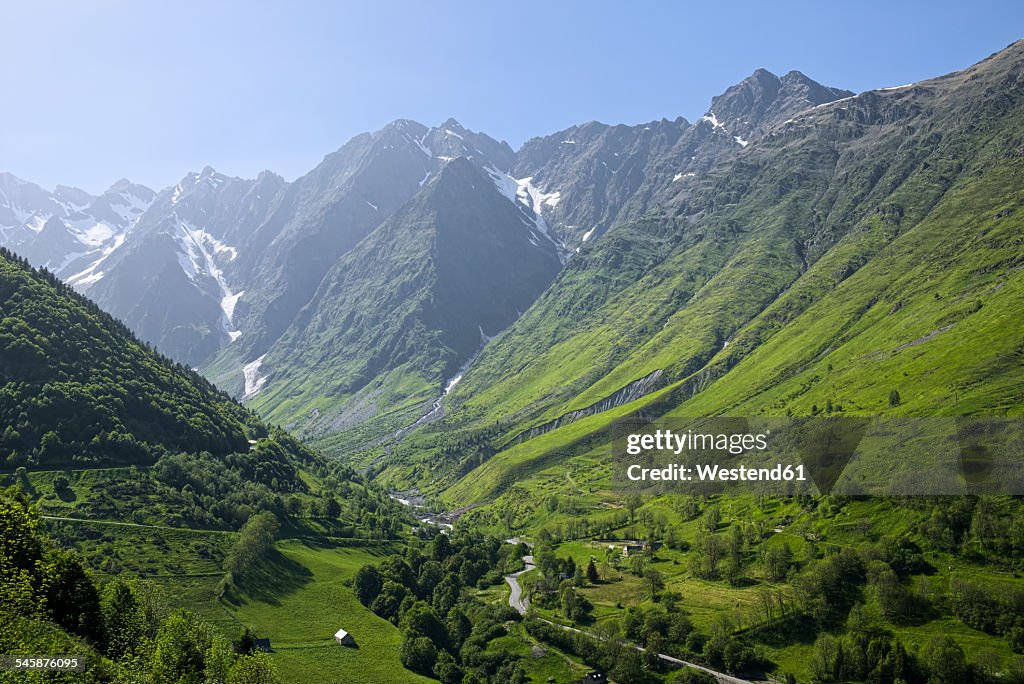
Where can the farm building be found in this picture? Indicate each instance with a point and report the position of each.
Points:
(344, 638)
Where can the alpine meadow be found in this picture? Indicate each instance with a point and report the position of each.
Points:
(361, 426)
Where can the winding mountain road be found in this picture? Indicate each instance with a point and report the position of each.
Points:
(517, 599)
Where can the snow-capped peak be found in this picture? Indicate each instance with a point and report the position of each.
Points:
(80, 230)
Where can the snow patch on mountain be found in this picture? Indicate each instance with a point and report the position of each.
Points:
(227, 303)
(551, 199)
(254, 382)
(132, 207)
(423, 148)
(713, 120)
(90, 233)
(200, 255)
(91, 274)
(535, 199)
(87, 277)
(506, 184)
(522, 193)
(827, 104)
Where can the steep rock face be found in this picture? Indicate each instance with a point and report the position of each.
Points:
(327, 212)
(594, 176)
(763, 100)
(585, 174)
(412, 302)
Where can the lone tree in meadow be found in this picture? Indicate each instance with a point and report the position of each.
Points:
(633, 502)
(592, 572)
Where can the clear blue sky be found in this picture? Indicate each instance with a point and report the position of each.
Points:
(98, 89)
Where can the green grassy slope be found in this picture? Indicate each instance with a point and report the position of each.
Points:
(868, 245)
(299, 599)
(928, 317)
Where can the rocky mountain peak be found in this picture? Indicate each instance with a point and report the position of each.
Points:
(74, 196)
(451, 124)
(125, 187)
(763, 100)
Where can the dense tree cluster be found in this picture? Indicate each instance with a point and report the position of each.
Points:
(996, 610)
(868, 653)
(445, 632)
(255, 539)
(77, 388)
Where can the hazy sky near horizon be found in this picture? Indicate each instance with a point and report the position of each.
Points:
(102, 89)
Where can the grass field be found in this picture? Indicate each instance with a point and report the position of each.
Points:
(542, 662)
(299, 600)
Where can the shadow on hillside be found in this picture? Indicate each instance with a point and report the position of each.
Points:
(787, 631)
(380, 549)
(271, 578)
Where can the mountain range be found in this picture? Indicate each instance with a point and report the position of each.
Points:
(362, 288)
